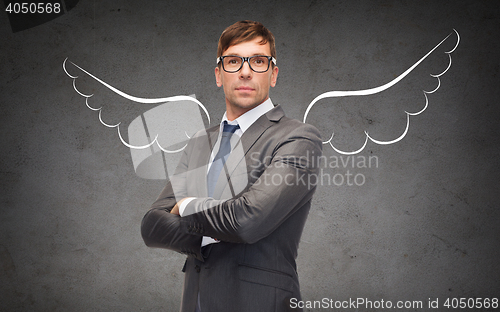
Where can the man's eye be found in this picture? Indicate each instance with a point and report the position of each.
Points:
(259, 61)
(233, 61)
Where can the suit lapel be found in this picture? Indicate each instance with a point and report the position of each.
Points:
(235, 164)
(252, 135)
(201, 159)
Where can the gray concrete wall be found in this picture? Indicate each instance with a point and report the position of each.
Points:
(423, 224)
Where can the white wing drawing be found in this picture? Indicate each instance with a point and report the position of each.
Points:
(152, 134)
(338, 94)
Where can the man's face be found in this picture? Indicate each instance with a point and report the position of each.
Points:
(246, 89)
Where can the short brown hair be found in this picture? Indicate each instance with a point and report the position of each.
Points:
(245, 31)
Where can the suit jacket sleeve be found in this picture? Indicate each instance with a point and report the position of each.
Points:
(275, 192)
(162, 229)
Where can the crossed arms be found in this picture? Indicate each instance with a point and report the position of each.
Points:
(280, 182)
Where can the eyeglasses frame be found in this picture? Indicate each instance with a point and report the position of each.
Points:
(220, 59)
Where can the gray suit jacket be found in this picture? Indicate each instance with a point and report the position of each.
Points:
(258, 222)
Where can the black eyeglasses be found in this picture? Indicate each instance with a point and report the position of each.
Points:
(257, 63)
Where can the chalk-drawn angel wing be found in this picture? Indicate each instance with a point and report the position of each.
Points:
(161, 130)
(371, 91)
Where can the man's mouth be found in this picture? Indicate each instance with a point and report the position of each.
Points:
(244, 88)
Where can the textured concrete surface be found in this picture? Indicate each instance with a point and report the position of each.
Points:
(423, 224)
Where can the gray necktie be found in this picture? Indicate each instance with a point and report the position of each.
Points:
(221, 157)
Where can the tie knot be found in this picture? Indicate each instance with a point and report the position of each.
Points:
(230, 128)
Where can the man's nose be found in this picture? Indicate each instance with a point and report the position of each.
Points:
(246, 71)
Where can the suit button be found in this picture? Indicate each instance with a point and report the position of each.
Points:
(197, 268)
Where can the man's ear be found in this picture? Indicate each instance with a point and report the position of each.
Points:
(218, 78)
(274, 76)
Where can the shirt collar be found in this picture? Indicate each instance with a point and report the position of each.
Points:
(248, 118)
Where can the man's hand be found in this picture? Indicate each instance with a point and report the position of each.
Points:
(175, 210)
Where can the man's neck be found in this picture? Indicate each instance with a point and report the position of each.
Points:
(233, 112)
(246, 119)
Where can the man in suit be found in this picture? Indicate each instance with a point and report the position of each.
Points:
(240, 228)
